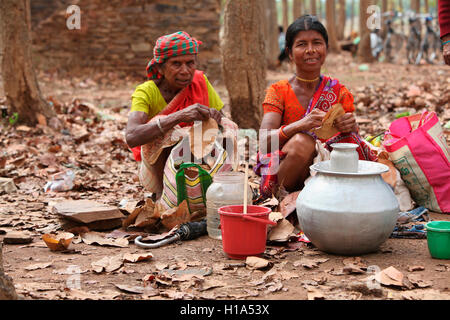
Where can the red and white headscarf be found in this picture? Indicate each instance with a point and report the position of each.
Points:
(172, 45)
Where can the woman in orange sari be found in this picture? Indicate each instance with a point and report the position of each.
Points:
(294, 107)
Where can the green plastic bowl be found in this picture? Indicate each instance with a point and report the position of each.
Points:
(438, 237)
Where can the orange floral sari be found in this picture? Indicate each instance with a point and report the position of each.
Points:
(281, 98)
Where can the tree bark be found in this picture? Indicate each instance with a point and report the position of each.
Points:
(331, 26)
(427, 7)
(271, 33)
(400, 5)
(297, 9)
(352, 16)
(384, 8)
(415, 6)
(364, 51)
(19, 79)
(341, 20)
(244, 63)
(313, 7)
(391, 5)
(285, 15)
(7, 289)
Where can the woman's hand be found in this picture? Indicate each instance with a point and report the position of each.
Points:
(346, 123)
(216, 115)
(195, 112)
(446, 52)
(312, 120)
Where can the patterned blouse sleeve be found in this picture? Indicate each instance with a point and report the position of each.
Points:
(273, 101)
(346, 99)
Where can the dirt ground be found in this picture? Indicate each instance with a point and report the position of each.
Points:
(39, 273)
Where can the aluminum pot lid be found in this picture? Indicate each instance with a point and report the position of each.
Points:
(364, 168)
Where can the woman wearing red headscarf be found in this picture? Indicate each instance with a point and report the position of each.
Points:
(176, 94)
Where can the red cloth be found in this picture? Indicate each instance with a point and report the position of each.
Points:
(444, 16)
(196, 92)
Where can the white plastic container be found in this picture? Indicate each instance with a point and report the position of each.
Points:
(226, 189)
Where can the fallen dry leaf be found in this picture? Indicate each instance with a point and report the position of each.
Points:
(275, 216)
(147, 215)
(354, 265)
(176, 216)
(416, 268)
(272, 202)
(75, 294)
(38, 266)
(257, 263)
(416, 280)
(355, 261)
(390, 277)
(327, 130)
(130, 289)
(131, 218)
(309, 263)
(97, 238)
(202, 136)
(288, 204)
(281, 232)
(107, 264)
(137, 257)
(211, 284)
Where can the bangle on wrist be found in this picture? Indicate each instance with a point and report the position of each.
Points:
(281, 133)
(158, 123)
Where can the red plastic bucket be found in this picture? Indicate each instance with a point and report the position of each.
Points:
(244, 235)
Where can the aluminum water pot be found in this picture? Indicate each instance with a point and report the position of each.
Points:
(347, 213)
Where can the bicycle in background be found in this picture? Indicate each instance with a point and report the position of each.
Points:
(393, 42)
(430, 45)
(414, 40)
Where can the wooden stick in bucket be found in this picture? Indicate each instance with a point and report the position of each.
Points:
(245, 187)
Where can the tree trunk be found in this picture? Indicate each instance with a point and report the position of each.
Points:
(384, 8)
(313, 7)
(19, 79)
(400, 5)
(331, 26)
(415, 6)
(297, 9)
(427, 7)
(391, 5)
(341, 20)
(364, 51)
(244, 66)
(271, 33)
(352, 17)
(7, 289)
(285, 15)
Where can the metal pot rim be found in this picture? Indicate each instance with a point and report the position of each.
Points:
(365, 168)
